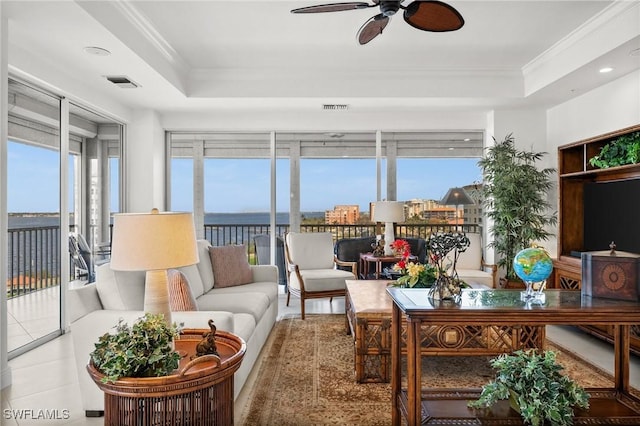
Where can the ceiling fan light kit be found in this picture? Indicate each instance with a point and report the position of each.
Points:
(425, 15)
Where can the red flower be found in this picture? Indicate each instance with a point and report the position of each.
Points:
(402, 264)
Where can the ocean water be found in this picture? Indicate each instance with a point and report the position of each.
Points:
(252, 218)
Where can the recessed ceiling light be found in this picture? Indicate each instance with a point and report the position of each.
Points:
(98, 51)
(635, 52)
(606, 69)
(467, 139)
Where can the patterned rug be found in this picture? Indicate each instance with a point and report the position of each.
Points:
(306, 377)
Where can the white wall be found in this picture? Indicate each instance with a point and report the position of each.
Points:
(610, 107)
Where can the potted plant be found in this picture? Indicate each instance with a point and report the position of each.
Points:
(514, 195)
(534, 386)
(620, 151)
(144, 349)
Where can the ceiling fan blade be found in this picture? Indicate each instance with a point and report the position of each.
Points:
(333, 7)
(372, 28)
(433, 15)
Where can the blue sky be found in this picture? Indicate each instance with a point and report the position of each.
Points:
(243, 185)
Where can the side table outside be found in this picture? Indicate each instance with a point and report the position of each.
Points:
(200, 393)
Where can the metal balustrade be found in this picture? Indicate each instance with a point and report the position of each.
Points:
(34, 253)
(33, 259)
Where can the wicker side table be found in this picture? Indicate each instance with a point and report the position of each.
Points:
(200, 393)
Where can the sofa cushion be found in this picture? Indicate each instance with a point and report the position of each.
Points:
(230, 266)
(120, 290)
(192, 273)
(255, 304)
(265, 287)
(204, 266)
(244, 325)
(180, 296)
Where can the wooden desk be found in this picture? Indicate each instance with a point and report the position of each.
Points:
(367, 258)
(503, 307)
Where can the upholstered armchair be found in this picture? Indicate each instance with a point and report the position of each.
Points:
(311, 267)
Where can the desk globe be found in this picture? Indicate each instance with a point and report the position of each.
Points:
(532, 265)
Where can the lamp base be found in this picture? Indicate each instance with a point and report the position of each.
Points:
(389, 237)
(156, 294)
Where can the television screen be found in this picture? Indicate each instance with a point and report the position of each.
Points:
(612, 213)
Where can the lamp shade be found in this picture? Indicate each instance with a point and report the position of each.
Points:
(388, 211)
(456, 197)
(153, 241)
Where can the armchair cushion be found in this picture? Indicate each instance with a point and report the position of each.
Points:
(230, 266)
(311, 250)
(321, 279)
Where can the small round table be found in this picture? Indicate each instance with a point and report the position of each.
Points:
(200, 393)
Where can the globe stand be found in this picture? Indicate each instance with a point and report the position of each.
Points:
(531, 295)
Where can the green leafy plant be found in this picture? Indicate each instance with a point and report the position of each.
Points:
(514, 194)
(621, 151)
(416, 275)
(144, 349)
(533, 384)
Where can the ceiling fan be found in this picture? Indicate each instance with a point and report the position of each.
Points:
(425, 15)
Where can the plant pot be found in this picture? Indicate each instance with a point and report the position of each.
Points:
(511, 284)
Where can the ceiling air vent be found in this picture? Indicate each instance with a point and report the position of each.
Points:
(122, 81)
(335, 107)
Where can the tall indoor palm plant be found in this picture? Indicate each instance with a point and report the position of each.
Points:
(514, 195)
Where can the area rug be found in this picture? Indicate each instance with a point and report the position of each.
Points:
(306, 377)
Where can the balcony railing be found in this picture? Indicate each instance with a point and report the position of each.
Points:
(34, 253)
(33, 259)
(220, 235)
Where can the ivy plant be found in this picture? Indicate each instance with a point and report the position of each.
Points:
(621, 151)
(144, 349)
(533, 384)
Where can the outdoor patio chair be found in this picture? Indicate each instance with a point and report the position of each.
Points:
(263, 255)
(81, 258)
(311, 267)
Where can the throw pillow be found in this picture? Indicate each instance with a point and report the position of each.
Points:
(230, 266)
(180, 296)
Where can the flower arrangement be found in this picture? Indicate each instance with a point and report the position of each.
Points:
(401, 248)
(415, 274)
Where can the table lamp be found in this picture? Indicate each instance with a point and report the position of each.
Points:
(389, 212)
(153, 242)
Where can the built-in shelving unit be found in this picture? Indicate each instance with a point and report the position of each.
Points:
(574, 172)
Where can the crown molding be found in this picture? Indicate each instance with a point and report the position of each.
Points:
(595, 23)
(143, 26)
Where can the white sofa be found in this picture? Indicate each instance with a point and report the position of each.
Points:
(248, 310)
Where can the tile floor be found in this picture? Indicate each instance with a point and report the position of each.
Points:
(45, 377)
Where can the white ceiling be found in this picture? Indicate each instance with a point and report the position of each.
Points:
(204, 55)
